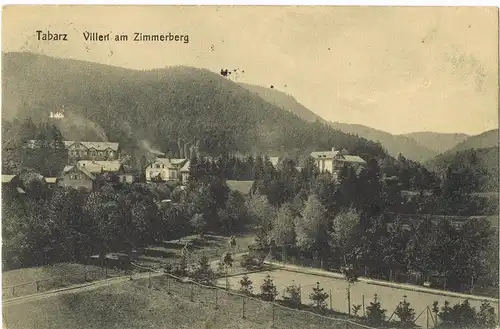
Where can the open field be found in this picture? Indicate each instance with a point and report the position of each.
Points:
(132, 305)
(389, 297)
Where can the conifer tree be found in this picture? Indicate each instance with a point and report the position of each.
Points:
(268, 291)
(319, 297)
(246, 285)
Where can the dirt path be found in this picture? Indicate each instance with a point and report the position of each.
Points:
(75, 288)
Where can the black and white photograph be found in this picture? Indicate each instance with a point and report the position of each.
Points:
(249, 167)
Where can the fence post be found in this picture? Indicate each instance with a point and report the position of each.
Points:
(273, 313)
(427, 317)
(243, 306)
(149, 279)
(363, 298)
(330, 295)
(62, 277)
(37, 286)
(216, 299)
(13, 290)
(192, 292)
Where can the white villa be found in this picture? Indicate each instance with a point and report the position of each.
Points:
(166, 169)
(332, 161)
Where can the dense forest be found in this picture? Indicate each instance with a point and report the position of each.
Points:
(166, 107)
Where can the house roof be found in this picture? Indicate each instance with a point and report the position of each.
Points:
(325, 154)
(100, 166)
(351, 159)
(169, 163)
(51, 180)
(7, 178)
(99, 146)
(274, 160)
(185, 168)
(82, 169)
(243, 187)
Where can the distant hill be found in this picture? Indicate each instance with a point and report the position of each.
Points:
(394, 144)
(437, 142)
(284, 101)
(479, 152)
(168, 108)
(483, 160)
(484, 140)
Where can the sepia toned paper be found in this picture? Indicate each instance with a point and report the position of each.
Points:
(157, 161)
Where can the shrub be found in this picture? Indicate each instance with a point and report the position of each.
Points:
(318, 297)
(292, 296)
(268, 291)
(486, 317)
(460, 315)
(374, 312)
(405, 313)
(356, 309)
(203, 273)
(246, 285)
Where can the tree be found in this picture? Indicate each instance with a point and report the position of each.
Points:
(351, 276)
(311, 228)
(199, 223)
(344, 227)
(246, 285)
(268, 291)
(283, 228)
(374, 312)
(203, 272)
(292, 296)
(486, 317)
(405, 313)
(318, 297)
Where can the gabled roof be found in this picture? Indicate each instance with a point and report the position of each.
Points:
(51, 180)
(99, 146)
(96, 167)
(274, 161)
(185, 168)
(169, 163)
(7, 178)
(350, 158)
(243, 186)
(76, 168)
(325, 154)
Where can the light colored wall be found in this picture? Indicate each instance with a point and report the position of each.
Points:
(81, 181)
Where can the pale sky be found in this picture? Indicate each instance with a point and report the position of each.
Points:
(398, 69)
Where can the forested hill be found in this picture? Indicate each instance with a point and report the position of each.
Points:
(167, 107)
(394, 144)
(438, 142)
(284, 101)
(481, 164)
(484, 140)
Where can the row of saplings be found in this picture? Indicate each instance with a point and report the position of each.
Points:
(460, 315)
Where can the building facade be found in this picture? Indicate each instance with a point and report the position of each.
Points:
(332, 161)
(165, 169)
(76, 177)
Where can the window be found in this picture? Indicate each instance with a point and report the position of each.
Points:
(173, 174)
(158, 166)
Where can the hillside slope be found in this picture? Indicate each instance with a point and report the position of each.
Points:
(484, 140)
(437, 142)
(394, 144)
(167, 107)
(482, 161)
(284, 101)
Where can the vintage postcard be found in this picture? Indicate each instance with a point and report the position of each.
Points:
(249, 167)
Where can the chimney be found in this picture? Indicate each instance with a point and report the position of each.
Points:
(333, 149)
